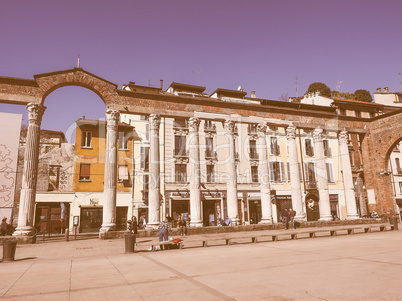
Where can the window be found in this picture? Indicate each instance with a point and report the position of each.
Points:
(181, 173)
(330, 172)
(180, 145)
(209, 147)
(254, 174)
(308, 144)
(123, 173)
(253, 150)
(209, 126)
(180, 123)
(144, 158)
(400, 187)
(398, 166)
(277, 172)
(86, 139)
(274, 146)
(309, 174)
(85, 171)
(210, 173)
(54, 177)
(123, 140)
(252, 128)
(327, 148)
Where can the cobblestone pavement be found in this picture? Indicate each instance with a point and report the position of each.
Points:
(362, 266)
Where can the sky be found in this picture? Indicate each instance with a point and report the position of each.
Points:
(262, 45)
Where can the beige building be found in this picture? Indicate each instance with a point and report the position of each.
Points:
(266, 163)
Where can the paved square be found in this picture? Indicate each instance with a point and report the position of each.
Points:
(345, 267)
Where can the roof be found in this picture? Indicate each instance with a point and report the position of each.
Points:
(186, 87)
(81, 122)
(229, 93)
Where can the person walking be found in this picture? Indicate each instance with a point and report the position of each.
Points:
(285, 217)
(134, 225)
(292, 215)
(164, 227)
(183, 226)
(4, 227)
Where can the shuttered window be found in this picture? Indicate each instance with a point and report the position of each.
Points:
(85, 171)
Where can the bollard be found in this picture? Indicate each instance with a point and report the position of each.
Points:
(9, 247)
(393, 220)
(129, 240)
(67, 234)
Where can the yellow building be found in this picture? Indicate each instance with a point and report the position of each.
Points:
(90, 145)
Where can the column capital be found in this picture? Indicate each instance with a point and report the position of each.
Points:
(229, 126)
(112, 116)
(262, 129)
(194, 124)
(343, 137)
(291, 132)
(154, 120)
(35, 113)
(318, 135)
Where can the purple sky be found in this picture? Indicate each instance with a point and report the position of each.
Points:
(261, 45)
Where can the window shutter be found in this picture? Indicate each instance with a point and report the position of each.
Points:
(282, 171)
(306, 171)
(85, 171)
(142, 158)
(271, 171)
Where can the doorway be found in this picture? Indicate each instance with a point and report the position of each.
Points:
(312, 208)
(210, 211)
(255, 211)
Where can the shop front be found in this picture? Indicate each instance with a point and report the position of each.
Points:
(52, 217)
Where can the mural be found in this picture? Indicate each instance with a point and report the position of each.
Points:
(10, 127)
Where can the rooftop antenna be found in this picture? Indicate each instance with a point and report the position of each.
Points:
(296, 78)
(78, 62)
(338, 85)
(198, 71)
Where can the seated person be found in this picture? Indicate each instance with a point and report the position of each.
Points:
(374, 214)
(228, 222)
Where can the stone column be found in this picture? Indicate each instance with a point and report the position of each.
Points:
(232, 183)
(110, 177)
(30, 173)
(347, 176)
(195, 186)
(154, 173)
(295, 185)
(263, 175)
(322, 179)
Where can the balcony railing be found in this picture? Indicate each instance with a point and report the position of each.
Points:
(311, 185)
(210, 154)
(180, 153)
(253, 156)
(252, 130)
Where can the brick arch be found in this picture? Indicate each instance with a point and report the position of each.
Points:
(382, 136)
(48, 82)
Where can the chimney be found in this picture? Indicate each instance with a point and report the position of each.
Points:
(161, 84)
(386, 90)
(378, 90)
(253, 94)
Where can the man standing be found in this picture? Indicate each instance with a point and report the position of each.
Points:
(292, 215)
